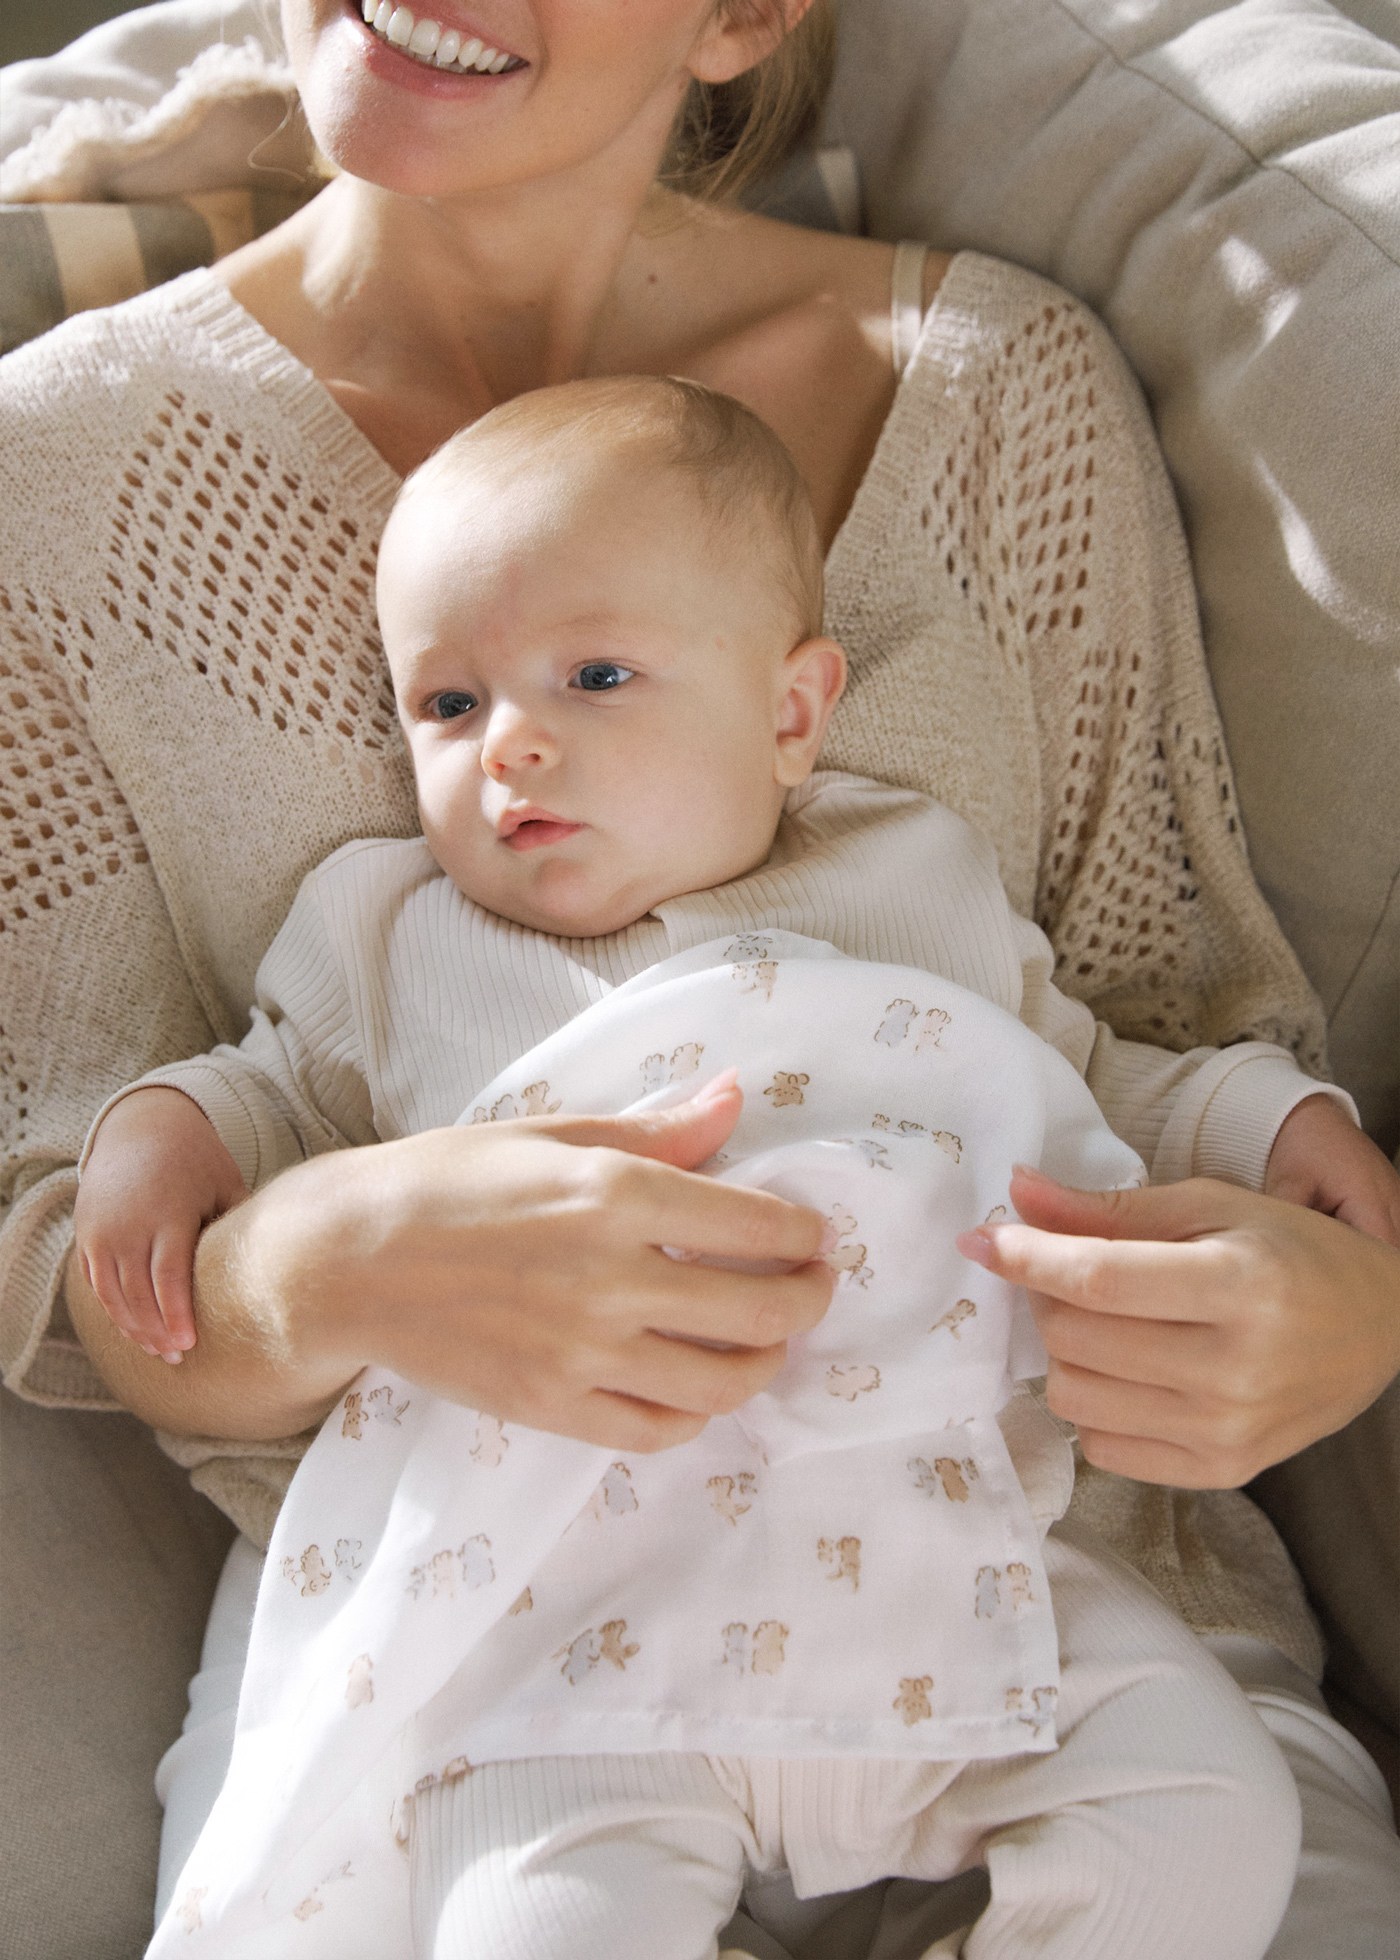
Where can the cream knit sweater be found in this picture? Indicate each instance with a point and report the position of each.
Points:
(194, 711)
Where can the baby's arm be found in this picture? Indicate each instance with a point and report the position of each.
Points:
(155, 1173)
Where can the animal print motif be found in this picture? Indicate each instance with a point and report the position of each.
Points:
(842, 1555)
(595, 1646)
(845, 1255)
(786, 1089)
(535, 1099)
(732, 1497)
(760, 1651)
(470, 1564)
(951, 1322)
(489, 1449)
(953, 1475)
(862, 1378)
(912, 1701)
(659, 1073)
(614, 1496)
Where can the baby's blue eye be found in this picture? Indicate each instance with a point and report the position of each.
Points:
(601, 675)
(451, 703)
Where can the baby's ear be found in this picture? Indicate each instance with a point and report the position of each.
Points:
(810, 683)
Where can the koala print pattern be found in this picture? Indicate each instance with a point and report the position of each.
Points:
(659, 1073)
(614, 1496)
(309, 1574)
(861, 1379)
(760, 1651)
(951, 1322)
(489, 1449)
(733, 1497)
(912, 1702)
(841, 1251)
(842, 1556)
(527, 1584)
(470, 1564)
(953, 1476)
(593, 1648)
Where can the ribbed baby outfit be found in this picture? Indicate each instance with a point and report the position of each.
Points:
(850, 1566)
(196, 712)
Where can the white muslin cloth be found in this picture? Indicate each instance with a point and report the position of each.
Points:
(849, 1566)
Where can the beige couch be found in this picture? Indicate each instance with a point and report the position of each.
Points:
(1223, 182)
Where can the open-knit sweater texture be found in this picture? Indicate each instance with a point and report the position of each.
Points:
(194, 710)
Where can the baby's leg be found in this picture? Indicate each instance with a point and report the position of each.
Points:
(577, 1858)
(1166, 1824)
(1165, 1827)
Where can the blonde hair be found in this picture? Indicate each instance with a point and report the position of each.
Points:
(729, 133)
(744, 481)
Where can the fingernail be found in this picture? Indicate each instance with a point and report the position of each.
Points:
(977, 1245)
(174, 1356)
(1029, 1171)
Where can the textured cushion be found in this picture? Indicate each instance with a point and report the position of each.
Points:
(1222, 182)
(110, 1561)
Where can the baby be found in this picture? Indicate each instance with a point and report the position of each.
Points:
(584, 1691)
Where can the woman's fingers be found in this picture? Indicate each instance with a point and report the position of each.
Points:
(694, 1380)
(1124, 1277)
(712, 1303)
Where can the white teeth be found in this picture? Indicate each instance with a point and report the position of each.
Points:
(431, 43)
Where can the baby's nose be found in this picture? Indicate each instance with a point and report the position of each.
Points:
(514, 740)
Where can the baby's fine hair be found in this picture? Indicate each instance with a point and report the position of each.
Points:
(743, 478)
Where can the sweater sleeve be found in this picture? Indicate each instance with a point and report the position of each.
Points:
(1210, 1112)
(295, 1086)
(93, 986)
(1143, 886)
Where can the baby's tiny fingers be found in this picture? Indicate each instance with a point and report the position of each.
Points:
(147, 1327)
(172, 1271)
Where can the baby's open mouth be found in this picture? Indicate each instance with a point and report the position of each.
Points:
(432, 44)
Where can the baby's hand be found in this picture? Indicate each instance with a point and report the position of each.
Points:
(157, 1174)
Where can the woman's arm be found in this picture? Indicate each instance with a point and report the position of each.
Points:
(513, 1266)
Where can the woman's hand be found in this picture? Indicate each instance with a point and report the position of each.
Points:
(516, 1267)
(1198, 1333)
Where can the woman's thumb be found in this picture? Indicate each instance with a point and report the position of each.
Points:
(685, 1134)
(1163, 1211)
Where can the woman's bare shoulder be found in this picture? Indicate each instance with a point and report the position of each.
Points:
(746, 270)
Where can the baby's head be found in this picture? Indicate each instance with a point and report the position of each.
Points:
(601, 606)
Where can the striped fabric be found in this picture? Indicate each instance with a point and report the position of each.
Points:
(57, 259)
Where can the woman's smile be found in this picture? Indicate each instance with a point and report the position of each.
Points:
(433, 44)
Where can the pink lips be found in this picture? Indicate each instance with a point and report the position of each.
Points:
(530, 829)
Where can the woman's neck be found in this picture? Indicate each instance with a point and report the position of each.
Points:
(419, 314)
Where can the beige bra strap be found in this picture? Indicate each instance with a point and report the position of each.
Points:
(906, 300)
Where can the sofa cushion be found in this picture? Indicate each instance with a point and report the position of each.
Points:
(1222, 183)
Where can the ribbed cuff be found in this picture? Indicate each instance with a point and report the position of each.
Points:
(211, 1092)
(1246, 1112)
(39, 1361)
